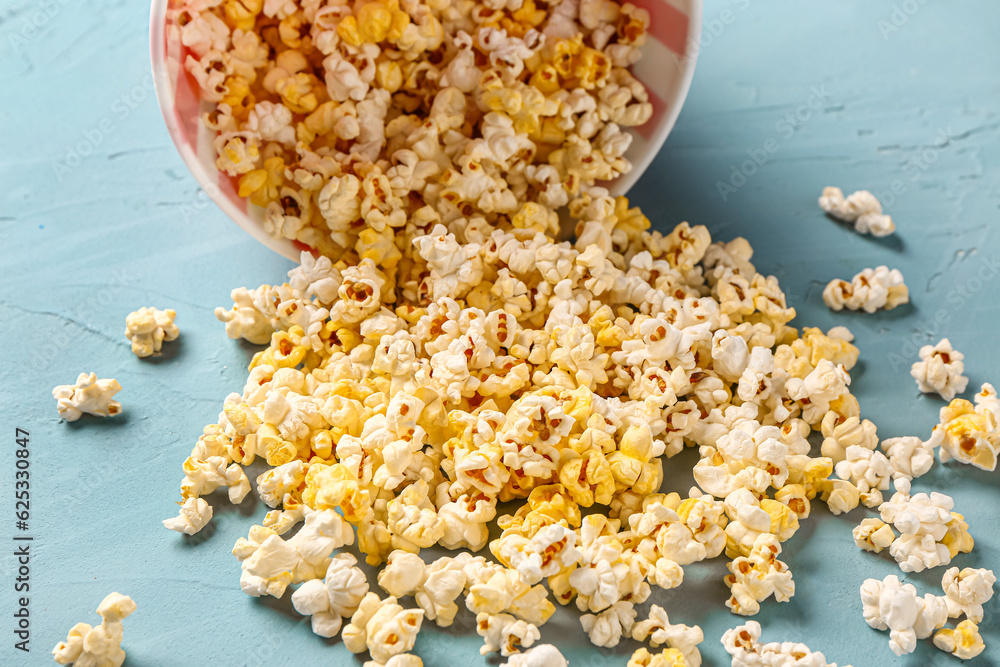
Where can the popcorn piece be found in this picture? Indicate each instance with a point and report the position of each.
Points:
(940, 370)
(543, 655)
(147, 328)
(967, 591)
(873, 535)
(930, 533)
(969, 434)
(869, 290)
(860, 208)
(89, 395)
(742, 645)
(868, 470)
(964, 642)
(755, 578)
(331, 599)
(504, 633)
(890, 605)
(194, 515)
(100, 645)
(669, 657)
(606, 629)
(385, 628)
(909, 456)
(683, 638)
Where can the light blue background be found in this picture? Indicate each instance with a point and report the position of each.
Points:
(908, 98)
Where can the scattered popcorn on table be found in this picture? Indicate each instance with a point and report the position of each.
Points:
(870, 290)
(940, 370)
(89, 395)
(860, 208)
(147, 328)
(743, 646)
(99, 645)
(970, 433)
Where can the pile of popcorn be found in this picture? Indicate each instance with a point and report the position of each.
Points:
(390, 112)
(399, 402)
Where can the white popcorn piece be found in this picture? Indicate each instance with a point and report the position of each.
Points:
(398, 660)
(89, 395)
(930, 533)
(194, 515)
(550, 551)
(383, 627)
(276, 563)
(504, 633)
(870, 290)
(870, 471)
(966, 591)
(543, 655)
(403, 574)
(756, 577)
(660, 631)
(99, 645)
(940, 370)
(970, 433)
(873, 535)
(909, 456)
(147, 328)
(861, 208)
(891, 605)
(330, 600)
(607, 628)
(964, 641)
(743, 646)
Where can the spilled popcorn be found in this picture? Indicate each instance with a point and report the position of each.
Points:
(940, 370)
(870, 290)
(970, 433)
(862, 209)
(147, 328)
(743, 645)
(97, 645)
(89, 395)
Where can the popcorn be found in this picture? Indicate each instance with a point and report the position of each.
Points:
(89, 395)
(669, 657)
(331, 599)
(606, 628)
(964, 642)
(873, 535)
(860, 208)
(969, 433)
(890, 605)
(383, 627)
(966, 591)
(930, 533)
(682, 638)
(940, 370)
(543, 655)
(147, 328)
(869, 290)
(868, 470)
(742, 645)
(194, 515)
(504, 633)
(100, 645)
(755, 578)
(909, 456)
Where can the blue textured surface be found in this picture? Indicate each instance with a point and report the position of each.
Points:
(903, 96)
